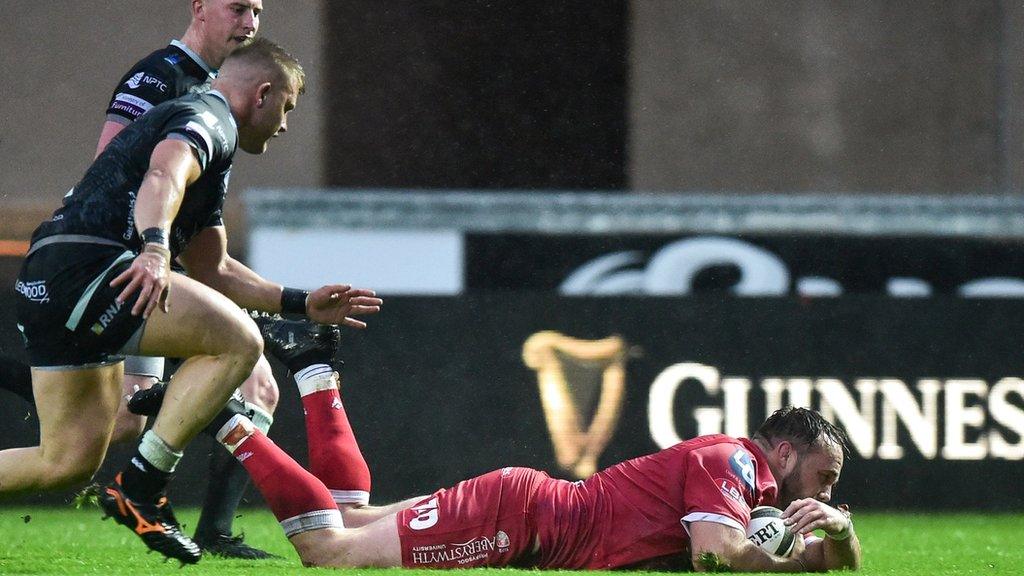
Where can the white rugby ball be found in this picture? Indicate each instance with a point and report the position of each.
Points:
(767, 531)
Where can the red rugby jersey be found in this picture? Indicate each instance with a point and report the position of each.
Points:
(635, 512)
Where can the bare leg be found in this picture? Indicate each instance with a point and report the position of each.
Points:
(229, 479)
(356, 516)
(374, 545)
(260, 388)
(76, 417)
(128, 426)
(222, 346)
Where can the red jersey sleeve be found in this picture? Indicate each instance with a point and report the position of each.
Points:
(720, 485)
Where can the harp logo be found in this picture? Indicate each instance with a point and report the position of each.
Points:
(582, 386)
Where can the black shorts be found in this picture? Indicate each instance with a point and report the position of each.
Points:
(67, 310)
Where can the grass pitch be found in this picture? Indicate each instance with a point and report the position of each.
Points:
(69, 541)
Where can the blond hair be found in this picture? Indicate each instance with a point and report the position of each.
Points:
(263, 53)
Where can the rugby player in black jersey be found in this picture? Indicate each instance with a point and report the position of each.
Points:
(102, 289)
(217, 27)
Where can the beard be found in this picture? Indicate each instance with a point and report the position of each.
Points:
(789, 488)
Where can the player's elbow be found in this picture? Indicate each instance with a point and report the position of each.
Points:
(714, 556)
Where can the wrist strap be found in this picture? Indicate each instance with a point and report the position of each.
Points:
(293, 300)
(154, 235)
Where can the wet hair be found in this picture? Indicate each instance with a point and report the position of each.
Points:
(265, 53)
(803, 428)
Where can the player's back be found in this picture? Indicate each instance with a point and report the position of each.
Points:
(102, 203)
(634, 511)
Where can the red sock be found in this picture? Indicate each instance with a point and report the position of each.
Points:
(334, 455)
(292, 492)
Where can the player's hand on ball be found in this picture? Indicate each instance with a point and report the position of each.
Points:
(807, 514)
(337, 303)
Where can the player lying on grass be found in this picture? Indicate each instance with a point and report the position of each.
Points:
(687, 502)
(95, 286)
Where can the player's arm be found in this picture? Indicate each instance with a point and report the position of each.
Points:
(110, 129)
(206, 259)
(133, 97)
(839, 549)
(172, 167)
(730, 548)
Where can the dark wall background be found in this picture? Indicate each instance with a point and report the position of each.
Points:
(806, 95)
(782, 96)
(476, 94)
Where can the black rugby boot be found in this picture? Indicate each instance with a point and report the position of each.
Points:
(227, 546)
(154, 523)
(299, 344)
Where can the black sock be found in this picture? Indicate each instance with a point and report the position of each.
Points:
(142, 481)
(232, 408)
(228, 481)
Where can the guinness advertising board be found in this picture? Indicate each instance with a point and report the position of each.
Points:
(931, 391)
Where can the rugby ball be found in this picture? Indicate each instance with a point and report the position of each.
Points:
(767, 531)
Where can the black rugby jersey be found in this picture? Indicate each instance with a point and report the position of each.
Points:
(166, 74)
(102, 203)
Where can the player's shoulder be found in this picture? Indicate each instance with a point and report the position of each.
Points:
(711, 443)
(719, 452)
(732, 462)
(204, 120)
(160, 70)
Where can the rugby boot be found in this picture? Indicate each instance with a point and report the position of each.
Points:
(227, 546)
(299, 343)
(153, 522)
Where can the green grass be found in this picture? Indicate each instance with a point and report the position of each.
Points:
(68, 541)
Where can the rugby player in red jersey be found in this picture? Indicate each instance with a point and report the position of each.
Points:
(680, 505)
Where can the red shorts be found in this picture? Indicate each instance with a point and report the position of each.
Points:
(485, 521)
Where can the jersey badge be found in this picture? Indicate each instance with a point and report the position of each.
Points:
(729, 488)
(131, 105)
(743, 467)
(502, 541)
(135, 81)
(141, 78)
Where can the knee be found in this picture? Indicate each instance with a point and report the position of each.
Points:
(71, 469)
(261, 387)
(128, 427)
(317, 556)
(324, 549)
(246, 344)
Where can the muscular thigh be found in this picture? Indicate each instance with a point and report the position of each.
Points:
(484, 521)
(76, 408)
(199, 321)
